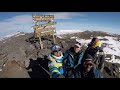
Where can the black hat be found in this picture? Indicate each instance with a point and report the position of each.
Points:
(89, 58)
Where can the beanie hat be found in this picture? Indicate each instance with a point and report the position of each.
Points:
(88, 58)
(95, 42)
(55, 48)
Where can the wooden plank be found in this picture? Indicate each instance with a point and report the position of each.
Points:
(48, 24)
(45, 29)
(47, 33)
(41, 45)
(53, 38)
(43, 25)
(37, 34)
(43, 18)
(35, 27)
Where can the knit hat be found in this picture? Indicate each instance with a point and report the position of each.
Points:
(95, 42)
(88, 58)
(55, 48)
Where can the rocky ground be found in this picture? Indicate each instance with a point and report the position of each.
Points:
(22, 58)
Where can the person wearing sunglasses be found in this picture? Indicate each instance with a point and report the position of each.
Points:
(95, 50)
(72, 58)
(87, 69)
(55, 62)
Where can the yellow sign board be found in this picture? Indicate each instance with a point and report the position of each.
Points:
(43, 25)
(45, 29)
(46, 33)
(48, 24)
(42, 30)
(36, 26)
(43, 18)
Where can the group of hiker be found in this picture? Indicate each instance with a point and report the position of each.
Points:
(76, 63)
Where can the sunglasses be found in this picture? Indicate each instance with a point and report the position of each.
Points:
(57, 50)
(79, 43)
(89, 64)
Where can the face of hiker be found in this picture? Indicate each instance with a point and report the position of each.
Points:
(88, 65)
(77, 48)
(58, 53)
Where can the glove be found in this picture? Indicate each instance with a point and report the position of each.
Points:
(61, 76)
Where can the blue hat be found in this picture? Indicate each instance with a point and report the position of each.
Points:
(56, 48)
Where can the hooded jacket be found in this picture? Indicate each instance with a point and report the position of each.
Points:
(73, 60)
(55, 65)
(93, 73)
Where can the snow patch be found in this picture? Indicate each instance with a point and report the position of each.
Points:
(114, 61)
(83, 41)
(73, 37)
(12, 35)
(112, 46)
(59, 37)
(61, 32)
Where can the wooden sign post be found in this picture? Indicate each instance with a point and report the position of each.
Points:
(43, 29)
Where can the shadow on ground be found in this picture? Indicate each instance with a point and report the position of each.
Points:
(36, 70)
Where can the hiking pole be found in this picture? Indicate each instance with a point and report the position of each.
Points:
(61, 45)
(44, 69)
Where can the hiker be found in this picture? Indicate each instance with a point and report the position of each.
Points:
(55, 62)
(72, 58)
(96, 52)
(87, 69)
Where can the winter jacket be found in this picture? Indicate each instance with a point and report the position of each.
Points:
(98, 55)
(72, 59)
(93, 73)
(55, 65)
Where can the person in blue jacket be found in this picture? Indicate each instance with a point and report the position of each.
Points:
(72, 58)
(55, 63)
(87, 69)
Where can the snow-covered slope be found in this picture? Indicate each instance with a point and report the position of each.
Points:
(16, 34)
(61, 32)
(112, 46)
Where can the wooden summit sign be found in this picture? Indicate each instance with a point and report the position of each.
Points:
(43, 18)
(43, 29)
(44, 25)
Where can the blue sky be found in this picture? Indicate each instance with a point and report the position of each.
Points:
(11, 22)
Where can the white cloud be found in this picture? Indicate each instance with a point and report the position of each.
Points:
(82, 27)
(66, 15)
(24, 23)
(21, 23)
(17, 23)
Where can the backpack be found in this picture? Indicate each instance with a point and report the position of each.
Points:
(99, 59)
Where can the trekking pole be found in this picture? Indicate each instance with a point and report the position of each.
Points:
(61, 45)
(44, 69)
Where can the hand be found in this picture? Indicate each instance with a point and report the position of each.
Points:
(61, 76)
